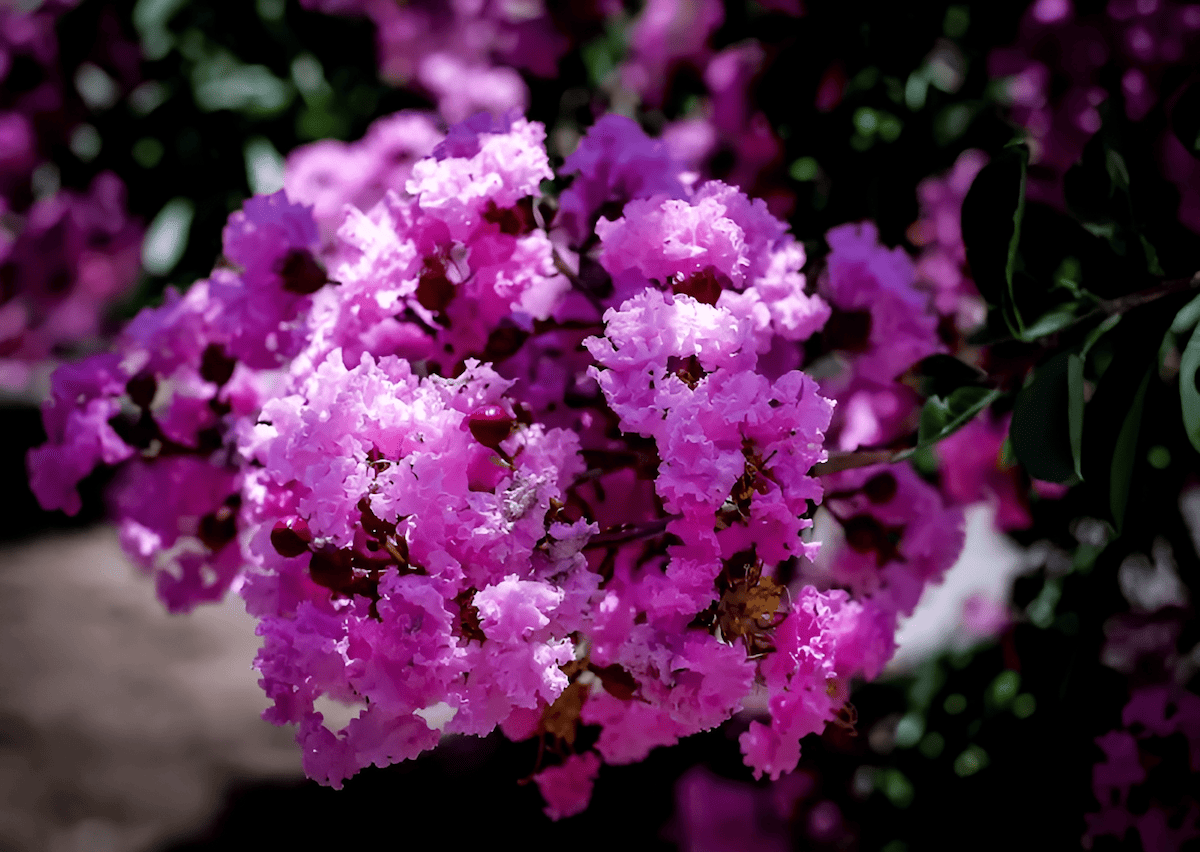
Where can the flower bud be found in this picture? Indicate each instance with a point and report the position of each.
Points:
(490, 425)
(291, 539)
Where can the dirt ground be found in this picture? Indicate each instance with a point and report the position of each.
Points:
(120, 724)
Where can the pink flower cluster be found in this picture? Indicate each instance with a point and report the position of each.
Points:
(329, 173)
(66, 256)
(672, 36)
(882, 325)
(1054, 78)
(1169, 823)
(942, 264)
(1135, 788)
(714, 813)
(470, 56)
(474, 466)
(465, 54)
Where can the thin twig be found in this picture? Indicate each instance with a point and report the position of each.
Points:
(625, 533)
(859, 458)
(1120, 305)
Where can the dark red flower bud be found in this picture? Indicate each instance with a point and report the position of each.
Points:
(703, 286)
(849, 331)
(880, 488)
(141, 389)
(218, 528)
(490, 425)
(301, 273)
(291, 539)
(215, 365)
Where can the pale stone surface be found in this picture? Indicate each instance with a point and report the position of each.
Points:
(989, 563)
(120, 725)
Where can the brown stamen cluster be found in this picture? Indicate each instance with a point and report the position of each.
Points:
(749, 606)
(688, 370)
(755, 479)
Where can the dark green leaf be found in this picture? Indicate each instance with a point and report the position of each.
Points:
(991, 224)
(1048, 323)
(1099, 193)
(1015, 239)
(1185, 119)
(942, 416)
(1118, 172)
(1075, 395)
(1187, 318)
(940, 375)
(1040, 429)
(1075, 402)
(1125, 454)
(1189, 396)
(1121, 359)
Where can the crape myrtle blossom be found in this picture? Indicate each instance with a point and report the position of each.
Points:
(429, 572)
(66, 255)
(467, 54)
(1063, 67)
(1168, 818)
(882, 325)
(900, 534)
(473, 55)
(329, 174)
(617, 163)
(667, 35)
(723, 134)
(65, 262)
(470, 472)
(942, 263)
(1140, 777)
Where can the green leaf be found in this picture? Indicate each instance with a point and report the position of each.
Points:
(1099, 194)
(1040, 429)
(941, 417)
(940, 375)
(1015, 240)
(1125, 454)
(1151, 253)
(1185, 119)
(1048, 323)
(1118, 172)
(1096, 333)
(1189, 396)
(604, 53)
(992, 213)
(1075, 402)
(1075, 396)
(1187, 318)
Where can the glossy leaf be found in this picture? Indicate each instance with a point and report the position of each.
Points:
(1125, 455)
(1075, 403)
(941, 417)
(1185, 119)
(1099, 193)
(940, 375)
(1040, 429)
(1187, 318)
(1189, 395)
(992, 213)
